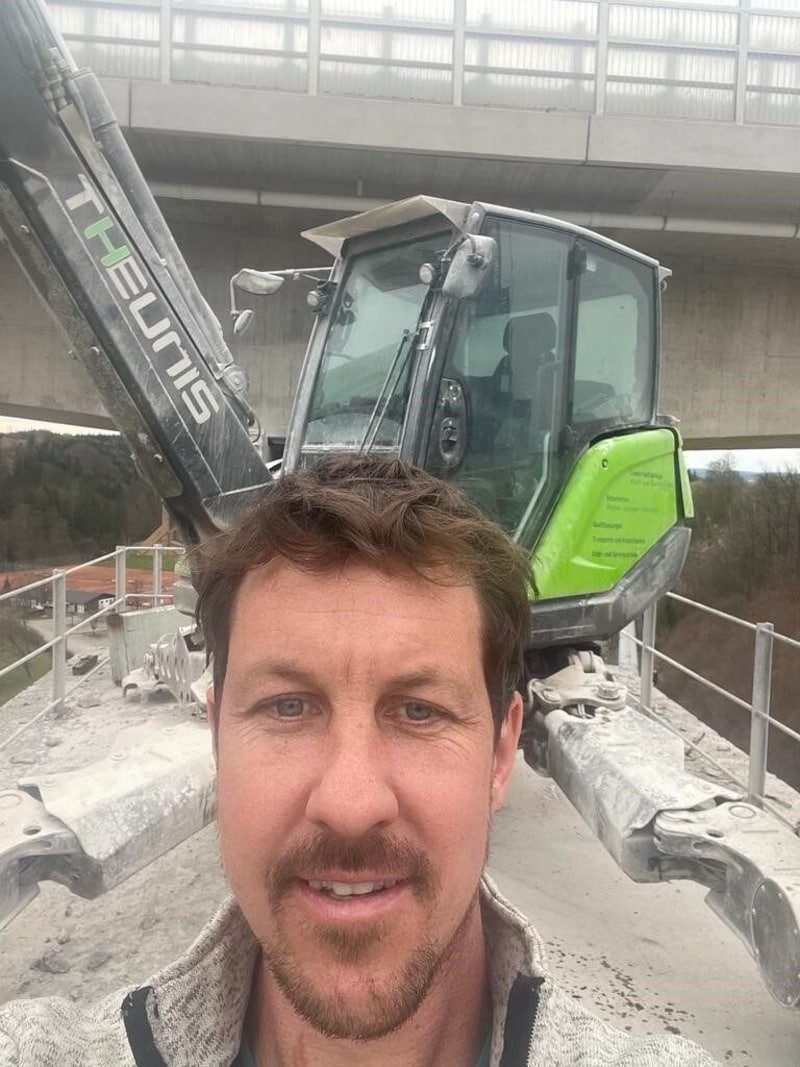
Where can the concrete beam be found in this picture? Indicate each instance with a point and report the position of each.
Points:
(677, 143)
(40, 377)
(731, 354)
(357, 123)
(469, 132)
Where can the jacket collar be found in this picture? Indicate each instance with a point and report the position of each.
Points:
(517, 971)
(193, 1011)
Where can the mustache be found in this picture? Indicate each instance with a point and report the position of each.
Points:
(376, 852)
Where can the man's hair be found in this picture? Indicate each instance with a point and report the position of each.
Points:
(385, 514)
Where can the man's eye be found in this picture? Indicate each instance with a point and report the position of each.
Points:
(414, 712)
(289, 707)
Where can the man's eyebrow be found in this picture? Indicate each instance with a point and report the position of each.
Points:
(429, 676)
(417, 678)
(274, 670)
(297, 674)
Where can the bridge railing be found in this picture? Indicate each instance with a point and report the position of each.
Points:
(720, 60)
(761, 722)
(49, 598)
(53, 603)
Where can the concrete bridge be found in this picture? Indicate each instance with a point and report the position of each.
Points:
(672, 127)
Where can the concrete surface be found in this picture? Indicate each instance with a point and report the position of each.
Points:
(648, 958)
(83, 642)
(556, 136)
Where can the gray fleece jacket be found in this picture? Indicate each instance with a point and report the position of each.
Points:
(191, 1014)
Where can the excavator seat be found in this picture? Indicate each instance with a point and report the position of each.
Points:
(530, 368)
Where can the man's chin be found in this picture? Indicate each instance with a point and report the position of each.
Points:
(355, 945)
(356, 997)
(358, 983)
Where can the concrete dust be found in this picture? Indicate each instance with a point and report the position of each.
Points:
(61, 944)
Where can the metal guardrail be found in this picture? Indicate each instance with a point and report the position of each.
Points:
(721, 60)
(758, 707)
(51, 593)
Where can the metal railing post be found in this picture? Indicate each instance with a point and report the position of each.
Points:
(165, 42)
(647, 659)
(120, 574)
(627, 649)
(314, 38)
(601, 58)
(459, 50)
(158, 573)
(59, 653)
(759, 714)
(742, 56)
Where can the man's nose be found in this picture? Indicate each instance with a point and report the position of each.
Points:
(353, 793)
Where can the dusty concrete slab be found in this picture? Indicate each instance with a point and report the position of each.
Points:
(650, 958)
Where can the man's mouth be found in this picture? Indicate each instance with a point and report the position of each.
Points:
(373, 874)
(351, 889)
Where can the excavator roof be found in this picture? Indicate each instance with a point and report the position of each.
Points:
(333, 235)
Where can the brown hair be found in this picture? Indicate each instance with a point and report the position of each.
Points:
(386, 514)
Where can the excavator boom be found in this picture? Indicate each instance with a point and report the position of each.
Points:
(79, 218)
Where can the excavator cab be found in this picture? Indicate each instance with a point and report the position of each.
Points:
(516, 356)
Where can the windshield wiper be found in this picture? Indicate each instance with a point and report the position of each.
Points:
(386, 392)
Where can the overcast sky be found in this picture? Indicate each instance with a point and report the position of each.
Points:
(746, 459)
(17, 425)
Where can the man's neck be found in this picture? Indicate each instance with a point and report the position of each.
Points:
(449, 1028)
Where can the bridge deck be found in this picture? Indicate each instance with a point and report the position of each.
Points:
(649, 958)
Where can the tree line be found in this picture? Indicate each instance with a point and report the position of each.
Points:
(746, 534)
(69, 497)
(744, 559)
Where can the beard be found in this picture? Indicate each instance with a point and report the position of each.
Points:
(383, 1004)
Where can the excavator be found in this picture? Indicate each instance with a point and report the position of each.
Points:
(512, 354)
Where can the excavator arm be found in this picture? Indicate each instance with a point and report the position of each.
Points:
(79, 218)
(625, 773)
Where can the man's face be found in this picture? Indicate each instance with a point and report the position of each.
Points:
(357, 778)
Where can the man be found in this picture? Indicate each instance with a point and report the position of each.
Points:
(367, 627)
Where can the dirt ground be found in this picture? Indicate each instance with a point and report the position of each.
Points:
(98, 578)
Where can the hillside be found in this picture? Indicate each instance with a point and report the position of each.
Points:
(65, 497)
(723, 653)
(745, 560)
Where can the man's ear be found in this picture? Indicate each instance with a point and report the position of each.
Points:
(505, 752)
(212, 712)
